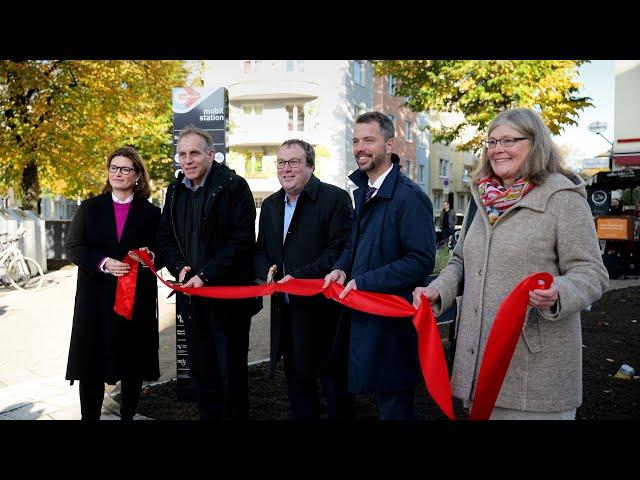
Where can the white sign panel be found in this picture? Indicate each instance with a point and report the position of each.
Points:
(597, 162)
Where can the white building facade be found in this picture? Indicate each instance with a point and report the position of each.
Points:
(271, 101)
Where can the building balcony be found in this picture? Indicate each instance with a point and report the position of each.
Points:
(257, 87)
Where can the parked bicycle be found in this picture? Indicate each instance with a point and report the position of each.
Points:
(17, 270)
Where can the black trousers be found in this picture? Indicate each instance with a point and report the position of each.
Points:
(218, 349)
(303, 369)
(92, 395)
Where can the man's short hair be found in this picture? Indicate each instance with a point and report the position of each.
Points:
(206, 136)
(309, 152)
(385, 123)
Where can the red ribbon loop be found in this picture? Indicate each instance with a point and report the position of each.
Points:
(498, 352)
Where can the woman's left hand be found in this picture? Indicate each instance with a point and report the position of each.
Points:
(137, 258)
(544, 298)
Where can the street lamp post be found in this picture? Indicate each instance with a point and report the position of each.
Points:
(598, 128)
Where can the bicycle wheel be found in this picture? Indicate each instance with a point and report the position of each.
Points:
(25, 273)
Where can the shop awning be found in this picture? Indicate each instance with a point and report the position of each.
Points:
(627, 159)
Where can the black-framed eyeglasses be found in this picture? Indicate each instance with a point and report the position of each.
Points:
(505, 142)
(293, 163)
(123, 170)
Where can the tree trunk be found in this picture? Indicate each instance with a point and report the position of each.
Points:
(30, 186)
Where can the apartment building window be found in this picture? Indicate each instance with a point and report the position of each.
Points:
(252, 110)
(391, 85)
(444, 168)
(295, 65)
(358, 72)
(407, 166)
(437, 200)
(466, 176)
(421, 173)
(462, 202)
(295, 117)
(253, 164)
(408, 132)
(359, 110)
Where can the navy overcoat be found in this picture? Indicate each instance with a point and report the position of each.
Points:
(391, 250)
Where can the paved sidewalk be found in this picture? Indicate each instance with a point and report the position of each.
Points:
(35, 330)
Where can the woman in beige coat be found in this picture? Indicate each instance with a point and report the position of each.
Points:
(532, 216)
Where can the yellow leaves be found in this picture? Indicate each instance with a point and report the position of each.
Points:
(481, 88)
(76, 112)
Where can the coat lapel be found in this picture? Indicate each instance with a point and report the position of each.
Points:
(109, 221)
(278, 221)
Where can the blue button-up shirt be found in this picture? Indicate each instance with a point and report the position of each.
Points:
(289, 209)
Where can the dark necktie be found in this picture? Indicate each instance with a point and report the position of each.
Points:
(369, 193)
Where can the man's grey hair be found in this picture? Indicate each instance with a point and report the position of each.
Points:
(206, 136)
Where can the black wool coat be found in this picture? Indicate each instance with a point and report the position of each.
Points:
(104, 344)
(317, 234)
(227, 233)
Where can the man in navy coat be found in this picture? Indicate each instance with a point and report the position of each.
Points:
(391, 250)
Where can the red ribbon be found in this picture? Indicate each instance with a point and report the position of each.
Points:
(126, 289)
(430, 351)
(501, 343)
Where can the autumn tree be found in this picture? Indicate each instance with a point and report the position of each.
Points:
(59, 119)
(480, 89)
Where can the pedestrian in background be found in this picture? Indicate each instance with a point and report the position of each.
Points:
(447, 225)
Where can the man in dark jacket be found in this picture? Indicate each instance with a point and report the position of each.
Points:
(391, 250)
(448, 225)
(207, 237)
(303, 229)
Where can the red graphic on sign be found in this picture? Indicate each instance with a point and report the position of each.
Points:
(188, 97)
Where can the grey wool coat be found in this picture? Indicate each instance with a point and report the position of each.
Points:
(550, 230)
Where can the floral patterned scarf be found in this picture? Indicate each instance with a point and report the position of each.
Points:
(496, 198)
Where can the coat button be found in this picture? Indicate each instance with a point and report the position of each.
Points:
(471, 351)
(480, 272)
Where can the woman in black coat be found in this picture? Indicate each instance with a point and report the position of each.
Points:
(106, 347)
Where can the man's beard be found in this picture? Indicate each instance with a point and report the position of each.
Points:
(376, 160)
